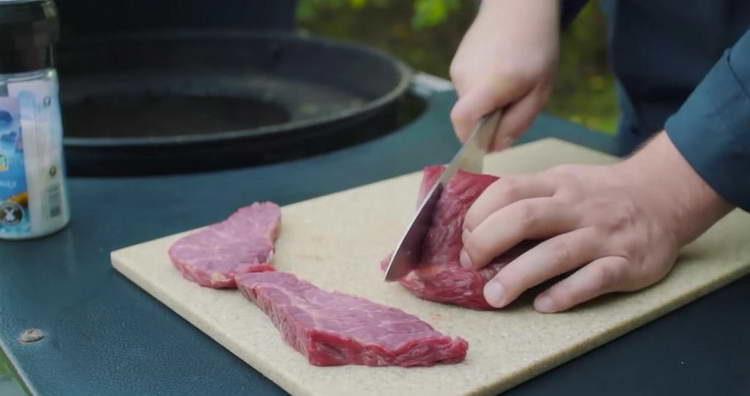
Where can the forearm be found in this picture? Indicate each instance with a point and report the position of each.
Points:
(685, 201)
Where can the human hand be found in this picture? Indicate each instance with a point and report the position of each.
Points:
(618, 227)
(507, 59)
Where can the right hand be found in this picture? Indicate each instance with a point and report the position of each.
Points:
(507, 59)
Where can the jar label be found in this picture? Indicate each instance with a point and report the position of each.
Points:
(14, 197)
(33, 200)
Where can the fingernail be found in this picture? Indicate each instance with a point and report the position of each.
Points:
(545, 304)
(494, 293)
(464, 259)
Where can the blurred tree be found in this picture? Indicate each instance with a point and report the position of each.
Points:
(426, 33)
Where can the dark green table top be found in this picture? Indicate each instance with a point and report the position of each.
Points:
(105, 336)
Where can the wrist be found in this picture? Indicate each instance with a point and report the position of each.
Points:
(547, 5)
(662, 177)
(528, 31)
(545, 11)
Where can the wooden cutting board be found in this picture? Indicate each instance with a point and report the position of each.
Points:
(337, 241)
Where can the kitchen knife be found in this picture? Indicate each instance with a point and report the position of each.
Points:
(470, 157)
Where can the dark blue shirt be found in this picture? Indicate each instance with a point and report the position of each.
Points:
(684, 66)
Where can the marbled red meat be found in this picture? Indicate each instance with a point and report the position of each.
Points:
(440, 277)
(242, 243)
(332, 328)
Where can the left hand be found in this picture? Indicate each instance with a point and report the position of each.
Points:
(618, 227)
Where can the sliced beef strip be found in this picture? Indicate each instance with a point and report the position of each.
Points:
(242, 243)
(440, 277)
(332, 328)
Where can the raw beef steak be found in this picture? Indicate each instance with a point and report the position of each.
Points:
(332, 328)
(242, 243)
(440, 277)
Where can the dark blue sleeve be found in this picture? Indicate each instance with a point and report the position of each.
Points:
(712, 128)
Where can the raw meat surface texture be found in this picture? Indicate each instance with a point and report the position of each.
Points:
(332, 328)
(440, 277)
(242, 243)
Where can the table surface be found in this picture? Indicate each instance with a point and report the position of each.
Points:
(104, 335)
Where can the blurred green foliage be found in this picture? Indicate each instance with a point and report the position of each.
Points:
(426, 13)
(9, 381)
(585, 87)
(4, 365)
(426, 33)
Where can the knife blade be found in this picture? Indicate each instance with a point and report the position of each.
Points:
(470, 157)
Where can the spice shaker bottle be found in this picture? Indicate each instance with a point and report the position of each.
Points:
(33, 195)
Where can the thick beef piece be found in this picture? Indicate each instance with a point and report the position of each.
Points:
(332, 328)
(242, 243)
(440, 277)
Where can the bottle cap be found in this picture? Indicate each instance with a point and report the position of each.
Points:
(28, 31)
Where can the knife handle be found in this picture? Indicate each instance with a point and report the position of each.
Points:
(486, 129)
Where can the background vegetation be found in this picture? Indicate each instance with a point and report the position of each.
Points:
(426, 33)
(9, 385)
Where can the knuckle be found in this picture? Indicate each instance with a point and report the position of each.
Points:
(606, 277)
(567, 175)
(509, 188)
(650, 273)
(620, 216)
(600, 276)
(527, 214)
(561, 252)
(470, 222)
(517, 70)
(566, 199)
(476, 247)
(565, 179)
(538, 100)
(458, 115)
(456, 72)
(566, 195)
(631, 247)
(521, 124)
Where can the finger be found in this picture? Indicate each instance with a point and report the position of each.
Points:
(546, 260)
(517, 118)
(536, 218)
(470, 108)
(478, 102)
(504, 192)
(601, 276)
(458, 83)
